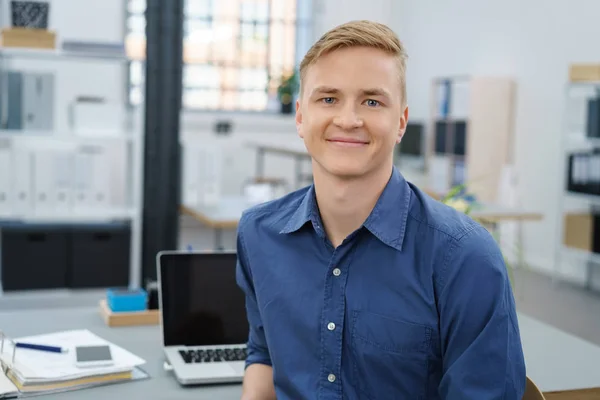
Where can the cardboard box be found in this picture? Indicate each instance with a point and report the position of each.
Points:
(579, 231)
(584, 72)
(28, 38)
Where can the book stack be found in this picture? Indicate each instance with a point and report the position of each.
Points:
(29, 371)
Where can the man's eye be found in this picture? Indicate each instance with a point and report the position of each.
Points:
(328, 100)
(372, 103)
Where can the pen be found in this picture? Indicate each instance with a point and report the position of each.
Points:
(41, 347)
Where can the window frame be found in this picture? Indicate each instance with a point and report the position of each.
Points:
(302, 27)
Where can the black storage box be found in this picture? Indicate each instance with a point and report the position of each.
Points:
(30, 14)
(99, 256)
(34, 257)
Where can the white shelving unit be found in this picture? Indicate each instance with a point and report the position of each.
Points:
(571, 261)
(470, 134)
(131, 137)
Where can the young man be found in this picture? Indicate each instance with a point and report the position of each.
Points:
(361, 286)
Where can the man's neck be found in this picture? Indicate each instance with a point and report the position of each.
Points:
(344, 205)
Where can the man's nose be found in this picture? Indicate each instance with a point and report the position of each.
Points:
(348, 118)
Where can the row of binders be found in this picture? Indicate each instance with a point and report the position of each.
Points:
(52, 180)
(28, 372)
(584, 172)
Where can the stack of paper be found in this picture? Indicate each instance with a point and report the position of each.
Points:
(46, 372)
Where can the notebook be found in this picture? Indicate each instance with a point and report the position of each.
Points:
(33, 372)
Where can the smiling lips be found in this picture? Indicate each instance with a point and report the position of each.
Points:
(347, 142)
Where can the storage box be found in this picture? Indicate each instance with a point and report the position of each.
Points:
(125, 300)
(582, 231)
(34, 257)
(584, 72)
(114, 319)
(99, 256)
(28, 38)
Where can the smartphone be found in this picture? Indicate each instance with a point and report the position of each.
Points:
(93, 356)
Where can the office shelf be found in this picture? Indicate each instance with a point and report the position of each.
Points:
(56, 54)
(131, 135)
(591, 198)
(582, 255)
(576, 206)
(470, 133)
(72, 217)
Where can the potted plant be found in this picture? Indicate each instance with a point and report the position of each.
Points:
(286, 91)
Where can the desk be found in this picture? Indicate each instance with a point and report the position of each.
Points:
(561, 364)
(492, 213)
(224, 215)
(144, 341)
(297, 152)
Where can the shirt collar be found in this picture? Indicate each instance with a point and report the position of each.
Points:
(387, 221)
(307, 211)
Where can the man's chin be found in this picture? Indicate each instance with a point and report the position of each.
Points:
(346, 171)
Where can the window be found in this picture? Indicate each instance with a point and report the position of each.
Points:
(235, 52)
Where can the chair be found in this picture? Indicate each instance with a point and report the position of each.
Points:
(532, 392)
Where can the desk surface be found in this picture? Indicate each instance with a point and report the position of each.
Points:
(225, 214)
(291, 149)
(556, 361)
(228, 211)
(144, 341)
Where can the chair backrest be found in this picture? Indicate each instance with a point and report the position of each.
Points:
(532, 392)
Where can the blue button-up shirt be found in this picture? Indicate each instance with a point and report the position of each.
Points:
(416, 304)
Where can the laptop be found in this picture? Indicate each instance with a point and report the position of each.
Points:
(203, 316)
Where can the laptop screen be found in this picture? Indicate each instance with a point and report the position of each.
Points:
(201, 302)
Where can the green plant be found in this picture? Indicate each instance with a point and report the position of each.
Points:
(460, 199)
(288, 88)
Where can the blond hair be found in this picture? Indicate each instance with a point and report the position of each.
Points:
(359, 34)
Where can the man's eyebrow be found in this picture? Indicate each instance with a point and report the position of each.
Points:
(376, 92)
(324, 90)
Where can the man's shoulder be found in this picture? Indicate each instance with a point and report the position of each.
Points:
(441, 218)
(274, 213)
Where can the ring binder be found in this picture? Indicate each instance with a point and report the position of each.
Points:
(3, 363)
(48, 372)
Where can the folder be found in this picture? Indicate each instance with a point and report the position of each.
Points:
(43, 182)
(5, 177)
(22, 182)
(33, 372)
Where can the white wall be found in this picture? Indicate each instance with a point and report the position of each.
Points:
(534, 41)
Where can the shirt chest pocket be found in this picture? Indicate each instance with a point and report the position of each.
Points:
(389, 357)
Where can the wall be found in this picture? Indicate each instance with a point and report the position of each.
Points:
(533, 41)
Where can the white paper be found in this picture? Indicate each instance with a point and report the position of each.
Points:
(37, 366)
(6, 386)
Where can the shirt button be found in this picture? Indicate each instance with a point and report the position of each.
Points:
(331, 326)
(331, 378)
(337, 272)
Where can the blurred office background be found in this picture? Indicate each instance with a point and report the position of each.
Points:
(502, 95)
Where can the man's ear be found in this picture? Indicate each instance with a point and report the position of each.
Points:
(299, 119)
(403, 123)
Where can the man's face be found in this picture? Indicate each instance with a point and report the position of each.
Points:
(350, 112)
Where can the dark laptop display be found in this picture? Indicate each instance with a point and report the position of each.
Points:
(201, 302)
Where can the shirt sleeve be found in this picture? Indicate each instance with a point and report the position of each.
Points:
(481, 346)
(257, 349)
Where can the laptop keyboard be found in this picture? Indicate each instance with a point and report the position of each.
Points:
(216, 355)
